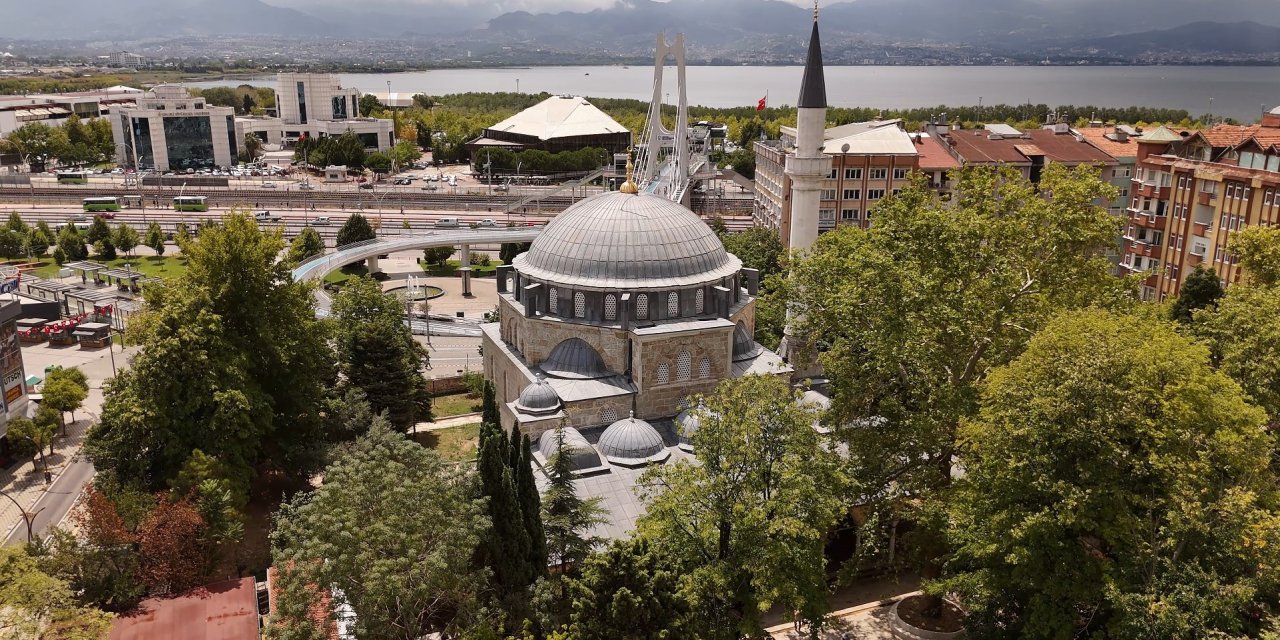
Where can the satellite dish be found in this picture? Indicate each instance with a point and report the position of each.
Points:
(844, 148)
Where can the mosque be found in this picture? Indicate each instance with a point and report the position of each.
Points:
(626, 305)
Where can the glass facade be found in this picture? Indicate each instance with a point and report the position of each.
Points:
(369, 140)
(189, 141)
(339, 107)
(302, 103)
(231, 138)
(142, 138)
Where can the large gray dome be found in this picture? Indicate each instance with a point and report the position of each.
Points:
(538, 398)
(581, 456)
(618, 240)
(632, 441)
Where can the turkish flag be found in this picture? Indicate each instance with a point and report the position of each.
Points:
(762, 104)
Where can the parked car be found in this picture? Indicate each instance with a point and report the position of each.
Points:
(320, 221)
(306, 186)
(487, 222)
(447, 223)
(268, 185)
(266, 216)
(105, 215)
(366, 185)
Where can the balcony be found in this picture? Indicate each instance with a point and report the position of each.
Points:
(1147, 190)
(1147, 250)
(1206, 198)
(1194, 260)
(1201, 228)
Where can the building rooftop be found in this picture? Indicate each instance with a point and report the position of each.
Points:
(933, 156)
(560, 117)
(1228, 135)
(978, 146)
(222, 611)
(884, 140)
(1098, 137)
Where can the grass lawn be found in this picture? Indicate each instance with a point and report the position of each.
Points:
(452, 268)
(336, 279)
(455, 444)
(454, 405)
(153, 266)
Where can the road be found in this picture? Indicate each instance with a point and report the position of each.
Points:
(55, 503)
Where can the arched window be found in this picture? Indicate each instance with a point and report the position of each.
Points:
(579, 305)
(511, 283)
(673, 305)
(610, 307)
(699, 301)
(642, 306)
(608, 416)
(704, 367)
(663, 375)
(553, 301)
(684, 366)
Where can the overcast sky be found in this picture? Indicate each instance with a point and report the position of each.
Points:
(491, 7)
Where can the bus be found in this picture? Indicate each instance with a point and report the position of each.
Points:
(73, 177)
(190, 203)
(105, 203)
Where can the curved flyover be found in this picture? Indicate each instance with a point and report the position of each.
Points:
(320, 266)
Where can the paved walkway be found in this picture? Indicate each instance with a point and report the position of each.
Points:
(25, 482)
(868, 621)
(447, 423)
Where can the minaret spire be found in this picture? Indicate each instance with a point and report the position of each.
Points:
(813, 88)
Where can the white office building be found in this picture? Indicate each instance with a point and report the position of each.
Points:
(317, 106)
(169, 130)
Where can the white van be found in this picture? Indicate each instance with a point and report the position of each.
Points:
(447, 223)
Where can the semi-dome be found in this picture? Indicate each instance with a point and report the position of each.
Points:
(581, 456)
(618, 240)
(744, 348)
(538, 398)
(574, 359)
(632, 442)
(687, 424)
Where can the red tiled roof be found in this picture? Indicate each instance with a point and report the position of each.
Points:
(933, 156)
(222, 611)
(1228, 135)
(1097, 136)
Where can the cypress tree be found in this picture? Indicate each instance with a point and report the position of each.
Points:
(505, 548)
(531, 508)
(489, 406)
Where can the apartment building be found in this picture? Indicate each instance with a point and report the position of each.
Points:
(869, 160)
(1029, 152)
(1192, 192)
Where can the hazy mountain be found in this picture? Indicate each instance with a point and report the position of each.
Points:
(1235, 37)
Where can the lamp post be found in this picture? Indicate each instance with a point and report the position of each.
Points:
(27, 516)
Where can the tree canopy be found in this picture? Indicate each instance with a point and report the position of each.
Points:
(355, 229)
(408, 573)
(1115, 486)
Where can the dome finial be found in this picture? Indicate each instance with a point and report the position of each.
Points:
(815, 10)
(629, 186)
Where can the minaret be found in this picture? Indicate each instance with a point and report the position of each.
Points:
(809, 166)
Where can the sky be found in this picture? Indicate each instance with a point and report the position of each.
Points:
(487, 8)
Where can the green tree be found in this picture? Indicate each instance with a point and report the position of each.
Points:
(405, 153)
(16, 224)
(509, 250)
(125, 238)
(1111, 472)
(355, 229)
(155, 238)
(250, 148)
(71, 243)
(34, 604)
(247, 104)
(567, 518)
(39, 239)
(408, 573)
(1258, 251)
(629, 591)
(504, 549)
(749, 522)
(758, 248)
(12, 243)
(63, 395)
(101, 575)
(1243, 334)
(37, 142)
(378, 355)
(32, 438)
(98, 230)
(369, 105)
(306, 245)
(233, 362)
(1202, 288)
(438, 256)
(530, 502)
(378, 162)
(912, 313)
(105, 249)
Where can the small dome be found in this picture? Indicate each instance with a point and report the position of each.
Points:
(617, 240)
(744, 348)
(687, 424)
(538, 398)
(581, 456)
(632, 442)
(574, 359)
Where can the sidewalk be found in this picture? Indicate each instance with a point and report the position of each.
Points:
(868, 621)
(446, 423)
(26, 481)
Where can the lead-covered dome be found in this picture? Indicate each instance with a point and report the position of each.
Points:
(632, 442)
(581, 456)
(627, 241)
(538, 398)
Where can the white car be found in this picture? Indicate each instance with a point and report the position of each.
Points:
(487, 222)
(320, 221)
(305, 186)
(268, 185)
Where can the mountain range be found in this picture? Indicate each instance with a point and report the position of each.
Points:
(1240, 25)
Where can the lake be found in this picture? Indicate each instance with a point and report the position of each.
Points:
(1237, 92)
